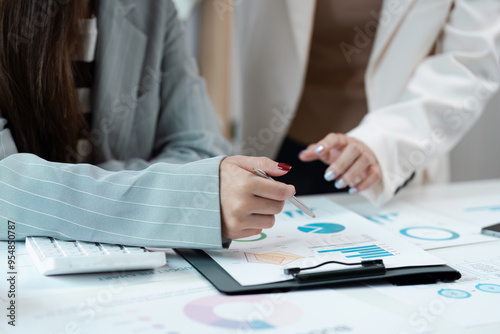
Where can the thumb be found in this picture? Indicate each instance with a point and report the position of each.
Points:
(269, 166)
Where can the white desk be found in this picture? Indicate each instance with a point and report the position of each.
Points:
(176, 299)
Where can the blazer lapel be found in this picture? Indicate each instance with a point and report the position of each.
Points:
(301, 15)
(119, 58)
(391, 16)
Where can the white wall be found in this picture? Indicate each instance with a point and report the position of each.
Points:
(477, 156)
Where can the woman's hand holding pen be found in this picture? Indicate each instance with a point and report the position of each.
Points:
(249, 202)
(351, 162)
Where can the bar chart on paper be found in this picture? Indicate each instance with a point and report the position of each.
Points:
(362, 252)
(336, 234)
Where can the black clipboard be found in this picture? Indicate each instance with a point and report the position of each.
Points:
(225, 283)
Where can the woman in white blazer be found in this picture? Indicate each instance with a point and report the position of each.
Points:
(433, 68)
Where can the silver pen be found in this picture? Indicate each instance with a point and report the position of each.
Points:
(294, 200)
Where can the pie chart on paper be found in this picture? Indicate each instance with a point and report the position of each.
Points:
(241, 314)
(321, 228)
(429, 233)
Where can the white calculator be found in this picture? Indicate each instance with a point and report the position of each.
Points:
(56, 257)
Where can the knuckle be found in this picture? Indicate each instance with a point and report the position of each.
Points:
(330, 137)
(340, 166)
(343, 139)
(356, 180)
(348, 177)
(365, 160)
(335, 168)
(281, 191)
(231, 232)
(264, 162)
(277, 207)
(356, 149)
(375, 168)
(239, 205)
(280, 206)
(270, 221)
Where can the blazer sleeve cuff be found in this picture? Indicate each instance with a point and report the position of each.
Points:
(393, 177)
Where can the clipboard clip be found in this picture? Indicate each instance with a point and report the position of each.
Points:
(368, 268)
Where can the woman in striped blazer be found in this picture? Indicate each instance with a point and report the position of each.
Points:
(107, 134)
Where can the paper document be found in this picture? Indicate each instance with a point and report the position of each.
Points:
(297, 240)
(422, 227)
(32, 283)
(196, 307)
(473, 300)
(478, 210)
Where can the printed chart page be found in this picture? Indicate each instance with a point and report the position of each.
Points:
(473, 300)
(297, 240)
(194, 306)
(422, 227)
(481, 211)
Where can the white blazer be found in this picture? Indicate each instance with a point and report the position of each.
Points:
(420, 106)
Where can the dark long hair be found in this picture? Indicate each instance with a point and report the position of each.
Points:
(38, 39)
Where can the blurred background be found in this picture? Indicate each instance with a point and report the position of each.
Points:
(475, 157)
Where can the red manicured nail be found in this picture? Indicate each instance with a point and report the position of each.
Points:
(284, 167)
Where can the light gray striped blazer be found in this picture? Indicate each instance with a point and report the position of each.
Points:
(155, 181)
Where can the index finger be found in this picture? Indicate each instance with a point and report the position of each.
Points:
(323, 147)
(272, 189)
